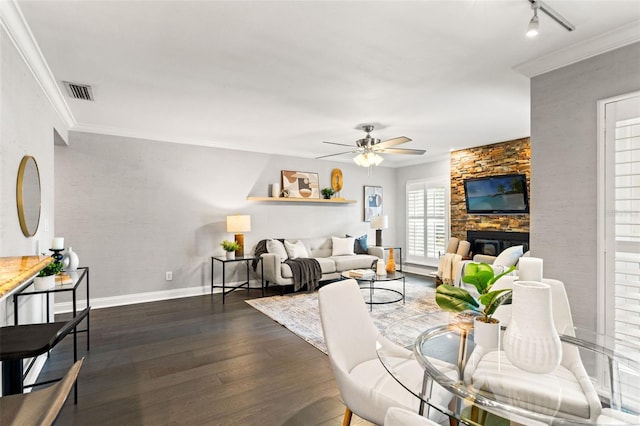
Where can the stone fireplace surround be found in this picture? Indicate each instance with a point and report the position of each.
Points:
(492, 243)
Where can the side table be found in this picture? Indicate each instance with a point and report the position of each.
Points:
(247, 260)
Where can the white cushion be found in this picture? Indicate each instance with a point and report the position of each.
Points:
(342, 246)
(295, 250)
(276, 247)
(509, 257)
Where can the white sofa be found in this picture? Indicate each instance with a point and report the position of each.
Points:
(321, 249)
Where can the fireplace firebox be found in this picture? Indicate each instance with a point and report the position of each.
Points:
(492, 243)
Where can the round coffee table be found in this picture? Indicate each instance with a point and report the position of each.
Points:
(372, 283)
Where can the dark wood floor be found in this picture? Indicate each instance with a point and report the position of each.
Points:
(193, 361)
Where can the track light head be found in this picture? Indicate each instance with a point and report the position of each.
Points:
(532, 30)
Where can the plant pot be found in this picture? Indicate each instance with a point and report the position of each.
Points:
(486, 334)
(531, 341)
(44, 283)
(231, 255)
(326, 197)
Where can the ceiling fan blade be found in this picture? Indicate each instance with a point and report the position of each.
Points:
(401, 151)
(335, 143)
(393, 142)
(332, 155)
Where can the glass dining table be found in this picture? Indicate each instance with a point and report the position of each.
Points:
(507, 395)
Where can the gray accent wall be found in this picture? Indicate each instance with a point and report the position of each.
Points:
(563, 168)
(133, 209)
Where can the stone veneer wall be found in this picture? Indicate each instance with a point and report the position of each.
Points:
(496, 159)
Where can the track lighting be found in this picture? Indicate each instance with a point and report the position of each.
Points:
(532, 30)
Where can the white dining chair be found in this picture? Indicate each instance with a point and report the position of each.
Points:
(568, 389)
(397, 416)
(367, 389)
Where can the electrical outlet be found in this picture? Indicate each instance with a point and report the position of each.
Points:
(168, 276)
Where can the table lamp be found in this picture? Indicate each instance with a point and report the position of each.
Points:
(239, 224)
(379, 223)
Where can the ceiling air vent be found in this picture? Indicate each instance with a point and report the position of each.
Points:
(79, 91)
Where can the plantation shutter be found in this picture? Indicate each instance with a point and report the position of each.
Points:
(427, 221)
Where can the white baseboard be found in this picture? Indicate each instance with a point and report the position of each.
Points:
(131, 299)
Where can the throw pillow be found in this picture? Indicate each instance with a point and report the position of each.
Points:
(342, 246)
(295, 250)
(276, 247)
(361, 245)
(509, 257)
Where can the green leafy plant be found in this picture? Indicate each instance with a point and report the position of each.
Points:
(481, 276)
(230, 245)
(327, 192)
(51, 269)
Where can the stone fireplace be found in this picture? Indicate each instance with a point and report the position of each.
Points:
(492, 243)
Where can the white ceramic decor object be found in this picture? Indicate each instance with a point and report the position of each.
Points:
(530, 269)
(486, 334)
(275, 190)
(70, 260)
(231, 255)
(531, 341)
(380, 268)
(44, 283)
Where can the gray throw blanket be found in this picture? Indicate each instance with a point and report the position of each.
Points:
(305, 272)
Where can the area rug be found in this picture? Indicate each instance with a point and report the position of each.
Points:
(299, 312)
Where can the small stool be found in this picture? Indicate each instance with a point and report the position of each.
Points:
(18, 342)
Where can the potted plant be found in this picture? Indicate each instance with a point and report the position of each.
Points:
(46, 279)
(230, 247)
(455, 299)
(327, 193)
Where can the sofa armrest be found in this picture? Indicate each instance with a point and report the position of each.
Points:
(271, 263)
(376, 251)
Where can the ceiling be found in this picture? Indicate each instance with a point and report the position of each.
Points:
(282, 76)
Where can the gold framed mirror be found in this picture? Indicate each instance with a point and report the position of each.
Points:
(28, 195)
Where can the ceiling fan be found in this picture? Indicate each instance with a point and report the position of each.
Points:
(369, 147)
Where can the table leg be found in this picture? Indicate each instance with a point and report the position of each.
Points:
(371, 295)
(404, 290)
(262, 276)
(246, 262)
(212, 262)
(89, 314)
(12, 377)
(224, 266)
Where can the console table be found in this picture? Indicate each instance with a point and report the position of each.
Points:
(247, 260)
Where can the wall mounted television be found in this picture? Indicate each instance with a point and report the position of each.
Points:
(503, 194)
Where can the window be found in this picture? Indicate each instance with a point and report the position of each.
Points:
(427, 221)
(619, 232)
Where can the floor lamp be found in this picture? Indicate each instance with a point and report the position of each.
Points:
(239, 224)
(379, 223)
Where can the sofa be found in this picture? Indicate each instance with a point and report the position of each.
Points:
(333, 258)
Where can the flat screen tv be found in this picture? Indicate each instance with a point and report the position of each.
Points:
(504, 194)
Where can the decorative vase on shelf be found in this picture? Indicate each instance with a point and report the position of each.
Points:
(486, 334)
(231, 255)
(70, 260)
(531, 341)
(391, 263)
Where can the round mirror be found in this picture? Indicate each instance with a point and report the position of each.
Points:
(28, 195)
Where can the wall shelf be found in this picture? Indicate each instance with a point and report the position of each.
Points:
(301, 200)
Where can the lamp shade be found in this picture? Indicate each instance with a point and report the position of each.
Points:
(379, 222)
(239, 223)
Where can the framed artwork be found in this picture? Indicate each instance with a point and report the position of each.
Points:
(372, 202)
(300, 184)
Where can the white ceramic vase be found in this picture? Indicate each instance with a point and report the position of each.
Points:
(70, 260)
(486, 334)
(531, 341)
(231, 255)
(44, 283)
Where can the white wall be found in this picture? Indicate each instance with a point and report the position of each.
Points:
(133, 209)
(563, 168)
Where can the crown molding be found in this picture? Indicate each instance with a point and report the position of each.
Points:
(15, 26)
(611, 40)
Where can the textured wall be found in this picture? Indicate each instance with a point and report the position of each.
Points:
(133, 209)
(495, 159)
(564, 168)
